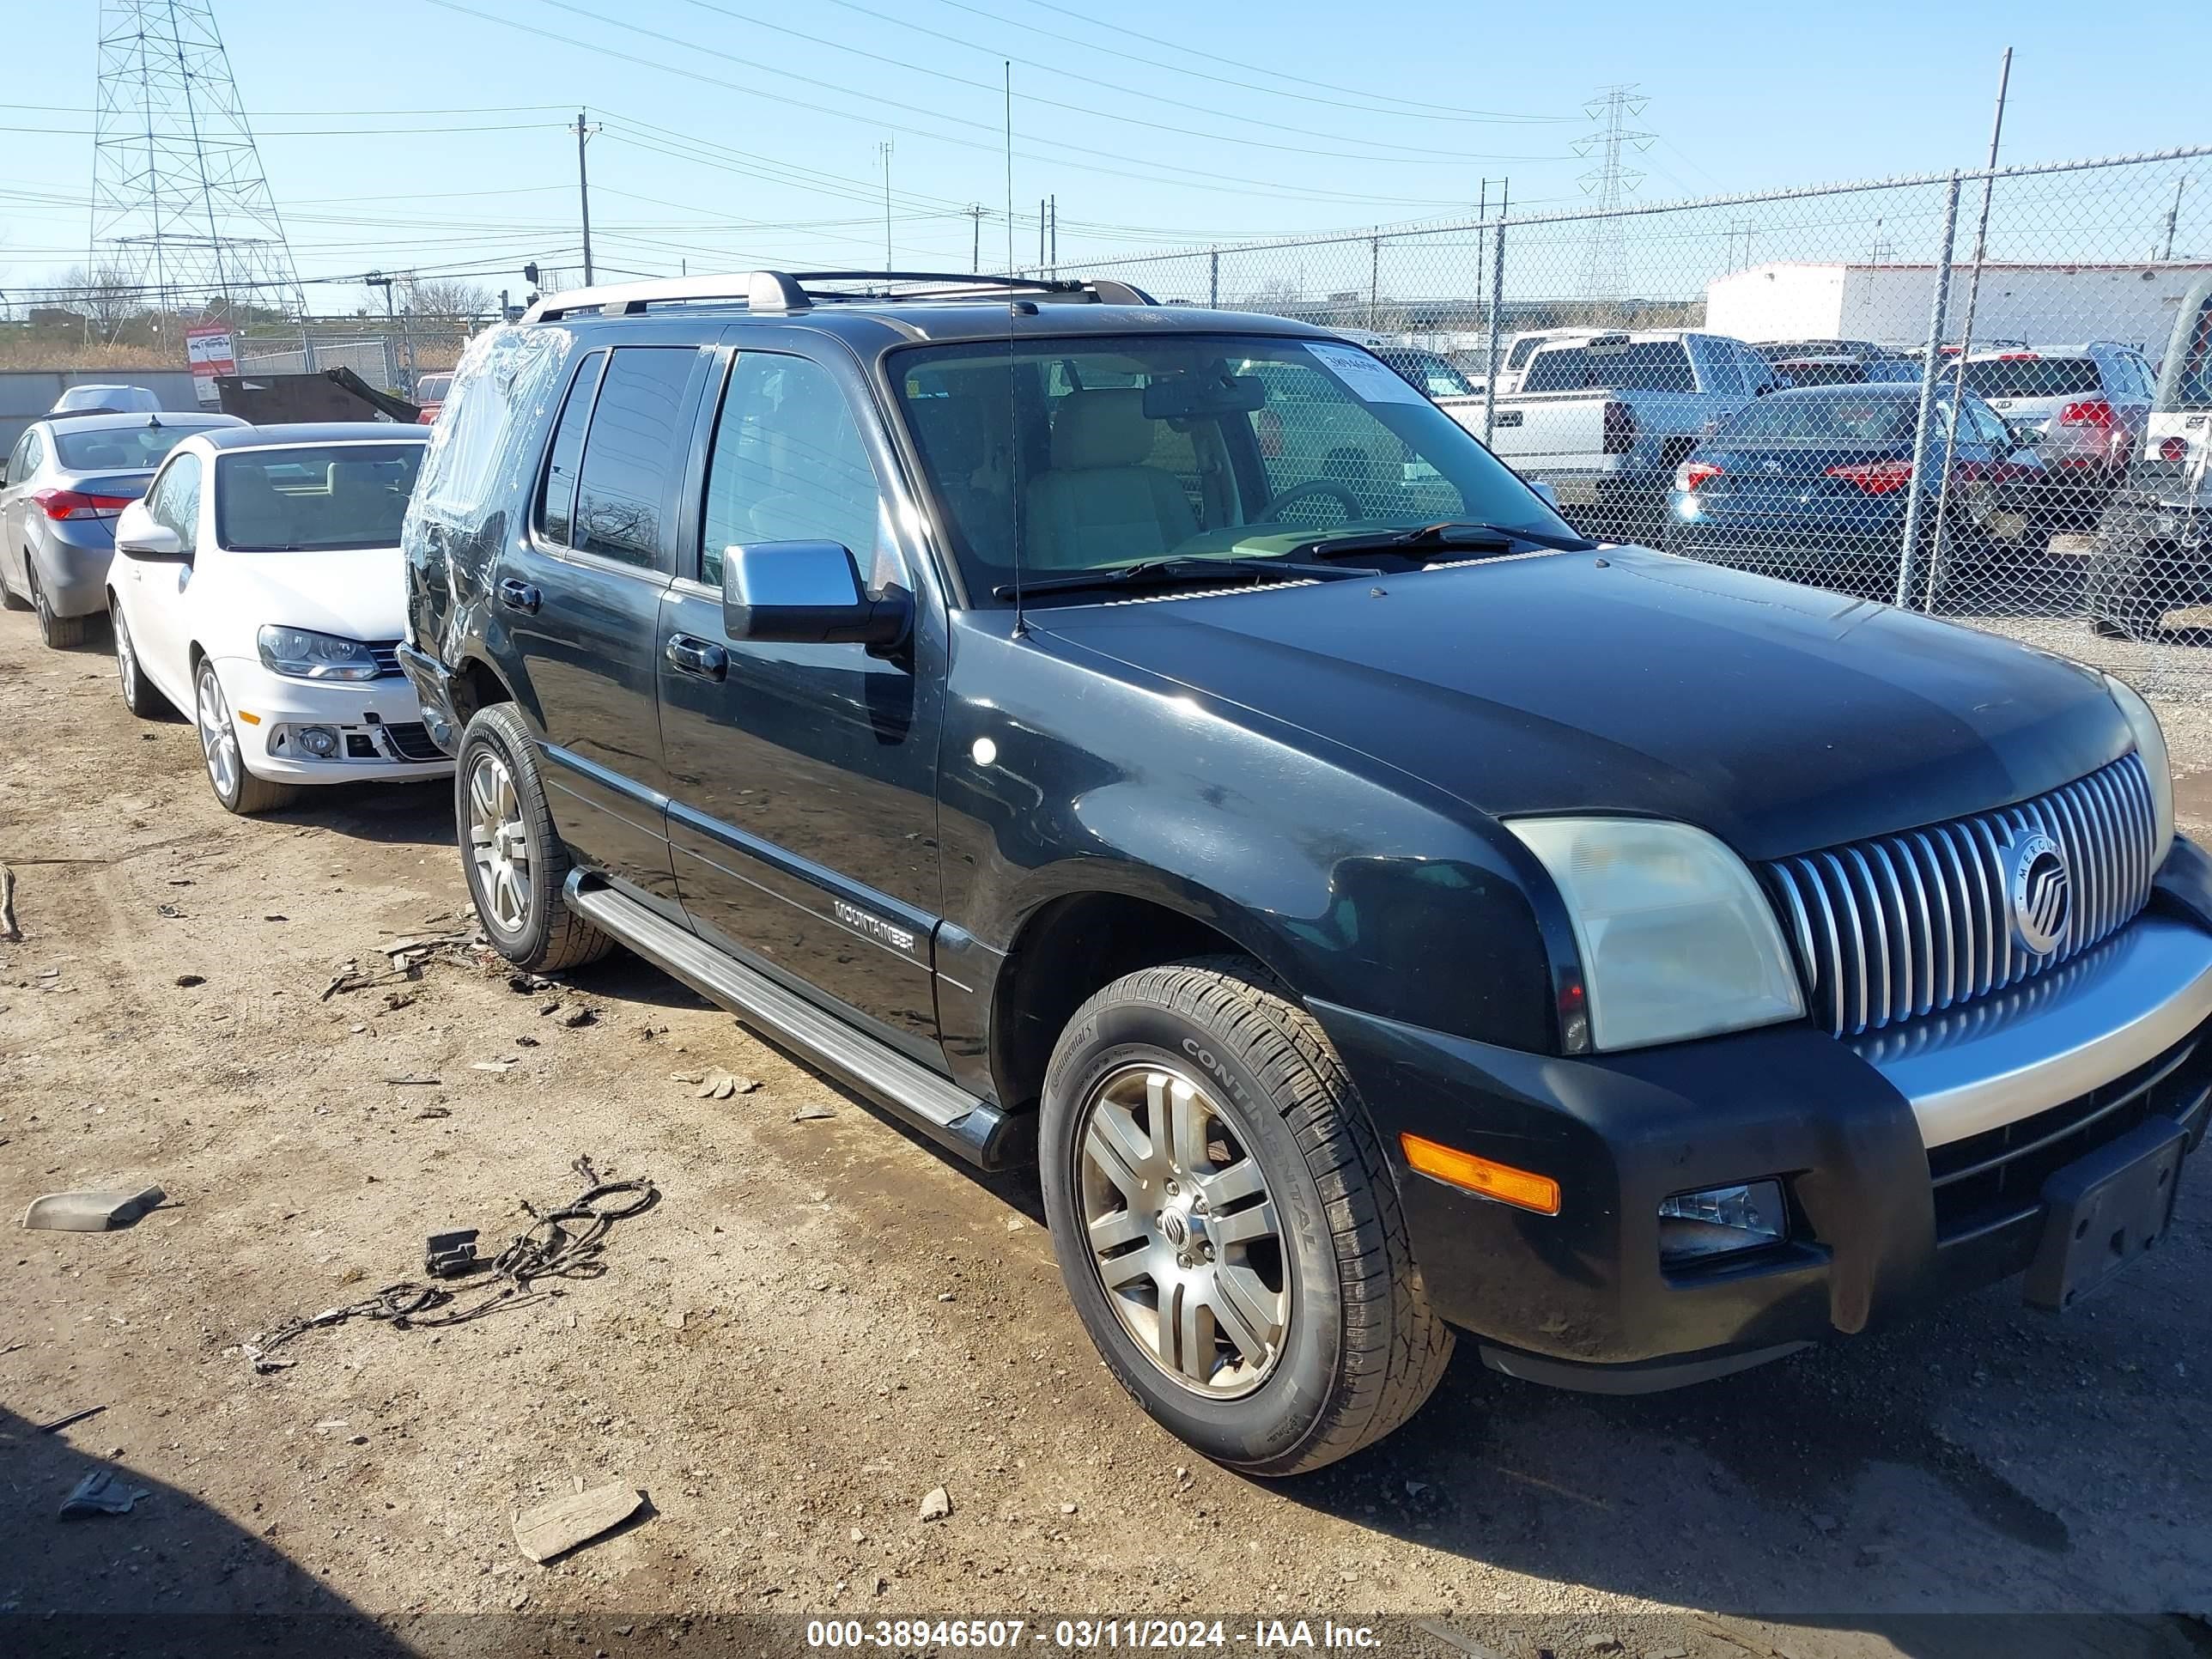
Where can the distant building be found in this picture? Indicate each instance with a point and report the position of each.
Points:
(2042, 303)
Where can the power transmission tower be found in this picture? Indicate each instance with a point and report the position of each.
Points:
(181, 210)
(1609, 183)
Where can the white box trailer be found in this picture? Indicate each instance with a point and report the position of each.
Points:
(2041, 304)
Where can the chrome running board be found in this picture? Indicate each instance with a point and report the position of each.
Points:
(932, 1104)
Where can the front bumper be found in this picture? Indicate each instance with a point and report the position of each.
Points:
(1914, 1165)
(379, 725)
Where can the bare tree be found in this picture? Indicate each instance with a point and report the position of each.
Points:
(447, 298)
(1277, 294)
(105, 295)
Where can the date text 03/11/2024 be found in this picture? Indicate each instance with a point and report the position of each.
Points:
(1088, 1635)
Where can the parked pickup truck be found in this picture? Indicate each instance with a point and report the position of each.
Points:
(1605, 420)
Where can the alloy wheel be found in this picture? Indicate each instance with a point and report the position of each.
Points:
(1183, 1231)
(218, 737)
(499, 844)
(126, 659)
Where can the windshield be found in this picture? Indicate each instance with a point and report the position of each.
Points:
(432, 387)
(314, 497)
(1099, 451)
(117, 448)
(1428, 372)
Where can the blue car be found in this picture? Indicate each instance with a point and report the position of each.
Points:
(1819, 479)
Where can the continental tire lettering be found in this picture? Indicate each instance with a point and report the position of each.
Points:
(1207, 1058)
(899, 938)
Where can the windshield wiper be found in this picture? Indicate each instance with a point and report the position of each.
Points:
(1452, 535)
(1169, 571)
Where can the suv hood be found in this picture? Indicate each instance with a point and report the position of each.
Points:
(358, 592)
(1780, 717)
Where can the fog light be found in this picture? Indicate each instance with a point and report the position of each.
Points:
(319, 741)
(1720, 1220)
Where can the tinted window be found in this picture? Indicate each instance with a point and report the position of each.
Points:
(633, 455)
(788, 466)
(1723, 372)
(1641, 366)
(1523, 350)
(2033, 377)
(1854, 416)
(124, 449)
(2194, 383)
(557, 494)
(174, 502)
(34, 452)
(314, 497)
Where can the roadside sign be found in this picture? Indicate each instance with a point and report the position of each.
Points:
(209, 348)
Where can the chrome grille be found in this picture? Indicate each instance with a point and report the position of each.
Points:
(386, 652)
(1905, 924)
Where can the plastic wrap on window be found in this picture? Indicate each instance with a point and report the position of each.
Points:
(479, 455)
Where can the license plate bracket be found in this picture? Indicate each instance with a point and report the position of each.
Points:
(2103, 1211)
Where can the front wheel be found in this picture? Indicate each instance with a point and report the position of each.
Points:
(238, 789)
(510, 850)
(1226, 1224)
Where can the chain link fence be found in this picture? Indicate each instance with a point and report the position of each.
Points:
(1960, 392)
(393, 360)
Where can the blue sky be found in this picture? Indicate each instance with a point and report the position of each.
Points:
(736, 132)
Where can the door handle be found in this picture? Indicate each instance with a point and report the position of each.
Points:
(700, 657)
(518, 596)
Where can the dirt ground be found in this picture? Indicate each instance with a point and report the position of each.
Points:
(824, 1319)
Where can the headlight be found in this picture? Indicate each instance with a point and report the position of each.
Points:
(308, 656)
(1677, 941)
(2150, 744)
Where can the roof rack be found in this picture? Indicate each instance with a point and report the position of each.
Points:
(785, 291)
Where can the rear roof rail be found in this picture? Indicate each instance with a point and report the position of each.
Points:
(787, 292)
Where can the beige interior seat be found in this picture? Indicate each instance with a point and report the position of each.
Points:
(253, 513)
(1100, 504)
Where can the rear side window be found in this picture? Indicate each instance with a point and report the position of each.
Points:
(633, 455)
(2034, 377)
(1523, 350)
(557, 494)
(2194, 384)
(34, 452)
(1640, 366)
(789, 464)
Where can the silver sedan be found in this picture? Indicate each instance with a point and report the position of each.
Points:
(62, 488)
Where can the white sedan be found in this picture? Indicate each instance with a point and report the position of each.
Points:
(259, 584)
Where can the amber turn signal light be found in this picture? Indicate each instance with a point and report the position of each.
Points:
(1481, 1175)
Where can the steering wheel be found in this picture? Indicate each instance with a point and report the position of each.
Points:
(1299, 492)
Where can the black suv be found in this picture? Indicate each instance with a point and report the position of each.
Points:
(1162, 741)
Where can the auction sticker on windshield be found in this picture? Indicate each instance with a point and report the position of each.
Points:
(1369, 381)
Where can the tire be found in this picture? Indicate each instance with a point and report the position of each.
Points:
(511, 854)
(59, 633)
(139, 693)
(9, 598)
(236, 788)
(1318, 1245)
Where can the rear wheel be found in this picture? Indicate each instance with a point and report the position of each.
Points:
(238, 789)
(138, 692)
(1226, 1222)
(58, 632)
(513, 858)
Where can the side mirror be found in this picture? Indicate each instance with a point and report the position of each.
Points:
(137, 537)
(1551, 496)
(806, 593)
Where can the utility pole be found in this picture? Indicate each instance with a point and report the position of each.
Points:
(2173, 213)
(584, 191)
(975, 241)
(1054, 208)
(884, 149)
(1040, 202)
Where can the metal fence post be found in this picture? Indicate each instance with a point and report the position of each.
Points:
(1908, 557)
(1214, 280)
(1497, 308)
(306, 351)
(1374, 277)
